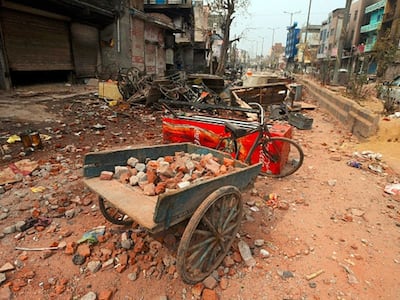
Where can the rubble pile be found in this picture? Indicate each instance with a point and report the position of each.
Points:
(166, 173)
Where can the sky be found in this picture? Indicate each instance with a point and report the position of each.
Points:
(265, 21)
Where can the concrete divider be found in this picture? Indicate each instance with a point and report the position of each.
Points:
(358, 120)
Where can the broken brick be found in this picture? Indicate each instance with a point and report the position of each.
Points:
(106, 175)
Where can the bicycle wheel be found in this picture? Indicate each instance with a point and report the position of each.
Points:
(281, 156)
(124, 86)
(169, 93)
(209, 234)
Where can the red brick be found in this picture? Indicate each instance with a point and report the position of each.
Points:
(151, 175)
(160, 188)
(169, 158)
(106, 175)
(84, 250)
(209, 295)
(197, 289)
(105, 295)
(123, 259)
(228, 162)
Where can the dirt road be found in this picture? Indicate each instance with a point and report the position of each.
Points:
(331, 231)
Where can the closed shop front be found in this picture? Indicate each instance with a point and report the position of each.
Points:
(35, 43)
(85, 49)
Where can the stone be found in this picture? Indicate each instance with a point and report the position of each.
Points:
(127, 244)
(142, 176)
(94, 266)
(108, 263)
(140, 167)
(264, 253)
(228, 261)
(89, 296)
(2, 278)
(133, 180)
(332, 182)
(132, 161)
(210, 282)
(7, 267)
(69, 214)
(164, 169)
(119, 170)
(78, 259)
(9, 229)
(133, 276)
(259, 243)
(183, 184)
(285, 274)
(245, 252)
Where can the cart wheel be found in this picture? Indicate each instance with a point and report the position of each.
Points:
(112, 214)
(209, 234)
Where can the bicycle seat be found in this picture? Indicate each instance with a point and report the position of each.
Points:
(235, 130)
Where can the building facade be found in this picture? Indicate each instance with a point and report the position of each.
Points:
(292, 39)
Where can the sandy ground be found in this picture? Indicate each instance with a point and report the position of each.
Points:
(332, 233)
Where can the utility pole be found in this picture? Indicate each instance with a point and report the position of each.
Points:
(305, 37)
(341, 42)
(291, 15)
(272, 44)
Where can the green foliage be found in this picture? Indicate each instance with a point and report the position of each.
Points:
(355, 86)
(384, 52)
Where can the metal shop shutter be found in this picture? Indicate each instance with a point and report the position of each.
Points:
(36, 43)
(85, 49)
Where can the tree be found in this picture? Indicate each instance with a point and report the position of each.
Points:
(227, 9)
(385, 50)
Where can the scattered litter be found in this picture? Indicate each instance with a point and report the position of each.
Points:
(92, 235)
(392, 189)
(354, 164)
(14, 138)
(38, 189)
(99, 126)
(315, 274)
(36, 249)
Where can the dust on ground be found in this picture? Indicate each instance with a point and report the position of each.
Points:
(331, 234)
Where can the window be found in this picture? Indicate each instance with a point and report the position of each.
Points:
(355, 15)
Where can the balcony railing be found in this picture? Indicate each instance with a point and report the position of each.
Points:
(370, 27)
(369, 47)
(168, 2)
(375, 6)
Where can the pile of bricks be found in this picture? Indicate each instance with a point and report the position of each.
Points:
(177, 171)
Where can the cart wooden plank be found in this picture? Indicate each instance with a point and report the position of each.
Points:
(128, 199)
